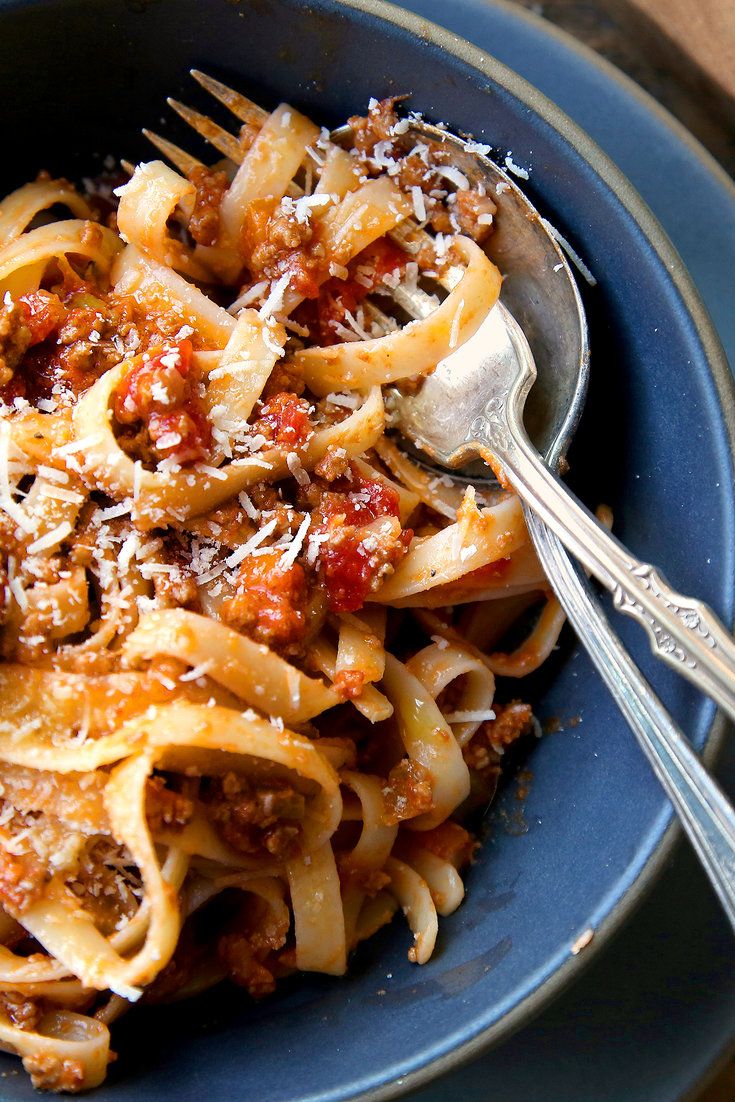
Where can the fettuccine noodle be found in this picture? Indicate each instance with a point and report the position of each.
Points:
(249, 646)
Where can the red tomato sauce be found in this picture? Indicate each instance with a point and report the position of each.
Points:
(160, 391)
(338, 296)
(284, 419)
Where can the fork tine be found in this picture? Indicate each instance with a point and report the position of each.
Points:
(178, 157)
(127, 166)
(220, 138)
(241, 106)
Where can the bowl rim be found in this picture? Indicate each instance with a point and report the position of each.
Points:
(719, 369)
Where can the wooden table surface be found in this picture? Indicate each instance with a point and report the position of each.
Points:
(683, 53)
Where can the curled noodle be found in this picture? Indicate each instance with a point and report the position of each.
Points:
(249, 648)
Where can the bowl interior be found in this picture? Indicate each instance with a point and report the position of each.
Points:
(653, 444)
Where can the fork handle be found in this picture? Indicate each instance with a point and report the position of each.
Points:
(683, 632)
(706, 815)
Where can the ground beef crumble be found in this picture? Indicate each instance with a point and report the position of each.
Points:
(349, 683)
(164, 808)
(255, 817)
(451, 842)
(253, 949)
(22, 1012)
(408, 792)
(177, 589)
(270, 602)
(275, 243)
(159, 396)
(22, 880)
(364, 540)
(15, 339)
(211, 186)
(284, 420)
(49, 1072)
(379, 144)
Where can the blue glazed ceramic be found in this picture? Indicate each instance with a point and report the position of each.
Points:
(656, 443)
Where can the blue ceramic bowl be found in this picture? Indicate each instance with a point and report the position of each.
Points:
(656, 443)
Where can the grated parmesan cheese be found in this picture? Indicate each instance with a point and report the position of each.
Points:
(79, 445)
(120, 510)
(197, 671)
(289, 556)
(50, 539)
(477, 147)
(52, 474)
(517, 170)
(248, 297)
(137, 478)
(303, 207)
(419, 203)
(296, 468)
(453, 174)
(349, 401)
(60, 493)
(573, 256)
(274, 301)
(211, 472)
(249, 546)
(470, 717)
(247, 504)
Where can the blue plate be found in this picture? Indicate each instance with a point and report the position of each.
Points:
(654, 443)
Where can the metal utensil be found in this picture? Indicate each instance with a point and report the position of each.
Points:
(705, 812)
(473, 404)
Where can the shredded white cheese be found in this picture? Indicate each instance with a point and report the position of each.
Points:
(297, 469)
(56, 535)
(79, 445)
(197, 671)
(573, 256)
(248, 297)
(249, 546)
(247, 504)
(419, 203)
(469, 717)
(288, 558)
(517, 170)
(453, 174)
(274, 302)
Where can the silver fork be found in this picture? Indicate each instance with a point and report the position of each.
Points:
(705, 812)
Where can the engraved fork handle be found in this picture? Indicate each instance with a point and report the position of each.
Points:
(683, 632)
(705, 813)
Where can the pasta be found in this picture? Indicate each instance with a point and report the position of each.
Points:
(249, 645)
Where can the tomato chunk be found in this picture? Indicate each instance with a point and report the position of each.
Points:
(160, 391)
(43, 313)
(269, 603)
(323, 316)
(284, 419)
(358, 551)
(354, 562)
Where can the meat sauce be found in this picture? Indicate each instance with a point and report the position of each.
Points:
(270, 602)
(275, 244)
(284, 420)
(324, 316)
(160, 392)
(355, 556)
